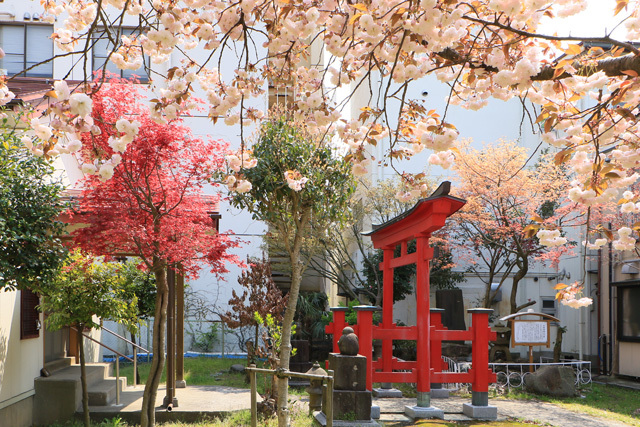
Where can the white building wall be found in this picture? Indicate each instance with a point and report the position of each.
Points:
(20, 360)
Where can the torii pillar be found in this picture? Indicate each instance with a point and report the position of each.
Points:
(427, 216)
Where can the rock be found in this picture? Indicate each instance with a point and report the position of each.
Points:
(348, 342)
(237, 368)
(557, 381)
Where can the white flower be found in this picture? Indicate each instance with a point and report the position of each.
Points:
(62, 90)
(243, 186)
(27, 142)
(597, 244)
(295, 180)
(74, 145)
(577, 303)
(80, 104)
(128, 127)
(89, 168)
(234, 162)
(43, 132)
(118, 144)
(551, 238)
(628, 207)
(106, 171)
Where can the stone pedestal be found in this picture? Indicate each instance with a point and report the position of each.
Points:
(480, 412)
(415, 412)
(351, 400)
(351, 405)
(350, 372)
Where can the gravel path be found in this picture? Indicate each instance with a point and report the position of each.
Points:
(539, 412)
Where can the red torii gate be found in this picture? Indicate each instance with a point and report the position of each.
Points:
(426, 217)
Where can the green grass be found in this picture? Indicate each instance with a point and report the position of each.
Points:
(299, 418)
(614, 403)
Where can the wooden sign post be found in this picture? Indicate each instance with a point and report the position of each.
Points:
(530, 332)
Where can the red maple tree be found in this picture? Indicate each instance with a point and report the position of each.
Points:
(153, 206)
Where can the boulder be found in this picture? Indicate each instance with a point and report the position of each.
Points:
(557, 381)
(237, 368)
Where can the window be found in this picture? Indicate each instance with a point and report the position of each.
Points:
(628, 313)
(29, 315)
(103, 46)
(24, 46)
(548, 306)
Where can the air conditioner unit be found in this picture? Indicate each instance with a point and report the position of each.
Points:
(630, 268)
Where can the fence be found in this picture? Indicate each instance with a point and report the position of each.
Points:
(200, 337)
(512, 375)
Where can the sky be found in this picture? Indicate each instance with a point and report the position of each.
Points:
(596, 21)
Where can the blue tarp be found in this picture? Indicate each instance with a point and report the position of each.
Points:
(142, 357)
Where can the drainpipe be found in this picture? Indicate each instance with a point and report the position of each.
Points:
(599, 296)
(609, 368)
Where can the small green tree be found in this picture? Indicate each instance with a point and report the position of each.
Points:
(83, 291)
(299, 188)
(30, 251)
(140, 283)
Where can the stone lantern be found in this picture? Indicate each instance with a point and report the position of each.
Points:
(315, 388)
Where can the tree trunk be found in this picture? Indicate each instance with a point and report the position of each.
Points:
(83, 380)
(148, 414)
(285, 347)
(133, 351)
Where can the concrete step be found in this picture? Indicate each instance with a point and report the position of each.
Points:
(58, 364)
(59, 395)
(103, 393)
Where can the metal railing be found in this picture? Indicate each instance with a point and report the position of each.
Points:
(134, 360)
(512, 375)
(254, 391)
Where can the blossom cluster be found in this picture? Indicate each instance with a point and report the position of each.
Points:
(571, 295)
(321, 51)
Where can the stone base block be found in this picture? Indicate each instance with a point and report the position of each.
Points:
(480, 412)
(181, 384)
(439, 393)
(351, 405)
(351, 372)
(375, 412)
(415, 412)
(387, 392)
(321, 419)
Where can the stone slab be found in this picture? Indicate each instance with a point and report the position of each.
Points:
(321, 419)
(387, 393)
(439, 393)
(480, 412)
(415, 412)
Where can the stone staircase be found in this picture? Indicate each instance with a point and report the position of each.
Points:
(59, 396)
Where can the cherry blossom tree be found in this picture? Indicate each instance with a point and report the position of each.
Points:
(491, 231)
(299, 188)
(379, 51)
(147, 200)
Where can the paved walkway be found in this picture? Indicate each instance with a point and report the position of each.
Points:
(195, 402)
